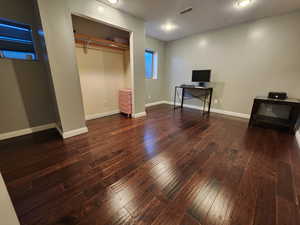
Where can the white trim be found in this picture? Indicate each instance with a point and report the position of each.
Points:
(297, 135)
(155, 65)
(138, 115)
(230, 113)
(26, 131)
(59, 130)
(220, 111)
(72, 133)
(101, 115)
(156, 103)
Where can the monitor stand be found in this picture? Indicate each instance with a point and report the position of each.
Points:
(202, 84)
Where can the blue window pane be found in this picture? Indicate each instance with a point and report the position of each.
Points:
(149, 64)
(18, 55)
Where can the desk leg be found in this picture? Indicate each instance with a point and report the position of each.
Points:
(182, 98)
(204, 104)
(210, 99)
(175, 95)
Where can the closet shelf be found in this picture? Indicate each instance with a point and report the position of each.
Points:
(98, 42)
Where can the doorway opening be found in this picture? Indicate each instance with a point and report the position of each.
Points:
(104, 65)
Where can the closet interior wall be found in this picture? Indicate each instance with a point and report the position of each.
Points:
(103, 70)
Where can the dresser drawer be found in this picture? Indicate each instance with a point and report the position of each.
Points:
(125, 101)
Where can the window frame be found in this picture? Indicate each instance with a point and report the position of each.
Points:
(154, 75)
(17, 26)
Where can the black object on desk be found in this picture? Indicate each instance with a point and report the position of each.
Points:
(202, 93)
(278, 95)
(291, 123)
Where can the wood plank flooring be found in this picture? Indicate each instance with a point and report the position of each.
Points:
(171, 168)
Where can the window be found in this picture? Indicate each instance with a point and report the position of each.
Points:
(16, 41)
(151, 64)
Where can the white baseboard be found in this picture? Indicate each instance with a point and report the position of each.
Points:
(59, 130)
(156, 103)
(229, 113)
(101, 115)
(26, 131)
(297, 135)
(138, 115)
(72, 133)
(220, 111)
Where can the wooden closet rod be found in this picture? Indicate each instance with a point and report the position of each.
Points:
(89, 40)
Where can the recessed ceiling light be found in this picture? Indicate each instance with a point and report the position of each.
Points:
(113, 1)
(243, 3)
(100, 9)
(168, 27)
(203, 43)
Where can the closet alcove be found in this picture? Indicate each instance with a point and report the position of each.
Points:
(103, 60)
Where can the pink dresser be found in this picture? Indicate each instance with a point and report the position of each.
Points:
(125, 101)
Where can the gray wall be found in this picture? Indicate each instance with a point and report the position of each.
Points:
(7, 212)
(247, 60)
(57, 25)
(25, 99)
(155, 88)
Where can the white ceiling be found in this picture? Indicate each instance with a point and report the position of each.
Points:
(206, 14)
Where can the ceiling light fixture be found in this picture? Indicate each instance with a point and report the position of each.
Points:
(243, 3)
(113, 1)
(169, 27)
(100, 9)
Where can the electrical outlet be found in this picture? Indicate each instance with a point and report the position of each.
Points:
(216, 101)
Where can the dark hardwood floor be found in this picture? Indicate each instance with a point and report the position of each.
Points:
(171, 168)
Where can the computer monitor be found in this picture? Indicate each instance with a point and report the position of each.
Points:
(201, 76)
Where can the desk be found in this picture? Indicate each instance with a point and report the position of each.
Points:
(291, 123)
(202, 93)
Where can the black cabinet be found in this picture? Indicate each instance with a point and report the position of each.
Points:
(290, 122)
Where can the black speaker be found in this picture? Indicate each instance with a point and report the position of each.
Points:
(278, 95)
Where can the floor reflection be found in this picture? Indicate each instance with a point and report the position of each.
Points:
(209, 203)
(149, 141)
(121, 198)
(163, 170)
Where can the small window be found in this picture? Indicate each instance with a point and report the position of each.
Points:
(151, 64)
(16, 41)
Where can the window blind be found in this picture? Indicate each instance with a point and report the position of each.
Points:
(15, 37)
